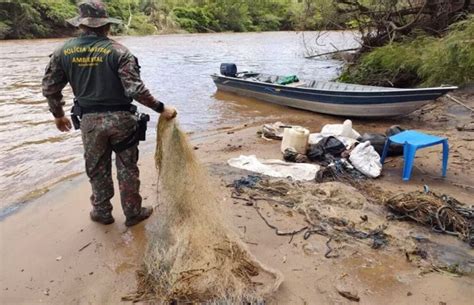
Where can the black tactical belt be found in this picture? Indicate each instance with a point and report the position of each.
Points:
(111, 108)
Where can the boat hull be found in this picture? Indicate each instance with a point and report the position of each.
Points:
(348, 104)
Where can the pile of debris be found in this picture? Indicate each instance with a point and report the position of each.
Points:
(341, 153)
(442, 213)
(336, 207)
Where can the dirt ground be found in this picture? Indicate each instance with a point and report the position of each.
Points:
(53, 254)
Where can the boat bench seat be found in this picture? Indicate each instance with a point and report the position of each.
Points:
(299, 84)
(271, 79)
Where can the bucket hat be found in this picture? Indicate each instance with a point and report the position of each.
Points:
(92, 14)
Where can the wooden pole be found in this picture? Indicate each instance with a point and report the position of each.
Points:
(333, 52)
(459, 102)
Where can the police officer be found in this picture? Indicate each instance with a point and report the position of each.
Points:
(105, 78)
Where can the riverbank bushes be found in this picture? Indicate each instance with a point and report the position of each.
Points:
(249, 15)
(35, 18)
(47, 18)
(419, 61)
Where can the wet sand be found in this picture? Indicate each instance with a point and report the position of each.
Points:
(53, 254)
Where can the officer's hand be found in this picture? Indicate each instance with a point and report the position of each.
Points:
(63, 124)
(169, 112)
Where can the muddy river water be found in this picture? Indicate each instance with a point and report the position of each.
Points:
(176, 68)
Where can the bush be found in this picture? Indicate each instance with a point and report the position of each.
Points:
(4, 30)
(194, 19)
(451, 59)
(231, 15)
(422, 61)
(56, 11)
(22, 20)
(140, 25)
(268, 22)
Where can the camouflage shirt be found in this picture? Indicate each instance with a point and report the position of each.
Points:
(127, 70)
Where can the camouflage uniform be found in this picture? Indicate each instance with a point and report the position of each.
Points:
(99, 132)
(102, 130)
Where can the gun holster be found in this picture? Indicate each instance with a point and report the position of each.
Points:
(142, 121)
(137, 136)
(76, 115)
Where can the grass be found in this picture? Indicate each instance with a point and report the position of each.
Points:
(422, 61)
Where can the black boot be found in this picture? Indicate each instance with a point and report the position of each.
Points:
(144, 214)
(103, 218)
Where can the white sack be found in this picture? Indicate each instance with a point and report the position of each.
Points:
(344, 130)
(314, 138)
(276, 168)
(366, 160)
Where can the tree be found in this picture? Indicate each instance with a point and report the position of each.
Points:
(384, 21)
(30, 18)
(21, 20)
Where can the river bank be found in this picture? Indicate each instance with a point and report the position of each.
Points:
(74, 261)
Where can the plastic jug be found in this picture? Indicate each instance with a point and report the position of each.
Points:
(344, 130)
(295, 137)
(347, 129)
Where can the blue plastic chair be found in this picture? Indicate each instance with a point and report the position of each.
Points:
(412, 141)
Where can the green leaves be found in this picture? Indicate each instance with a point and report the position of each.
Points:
(45, 18)
(423, 61)
(21, 20)
(194, 19)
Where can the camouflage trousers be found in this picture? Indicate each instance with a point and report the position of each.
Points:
(99, 132)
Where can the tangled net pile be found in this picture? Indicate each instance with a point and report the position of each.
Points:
(326, 208)
(442, 213)
(193, 255)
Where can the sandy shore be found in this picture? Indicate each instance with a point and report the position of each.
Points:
(52, 253)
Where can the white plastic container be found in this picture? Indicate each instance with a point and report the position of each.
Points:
(295, 137)
(344, 130)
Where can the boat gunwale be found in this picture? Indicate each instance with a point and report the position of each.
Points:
(447, 88)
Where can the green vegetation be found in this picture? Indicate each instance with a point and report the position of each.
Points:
(34, 18)
(404, 42)
(423, 61)
(46, 18)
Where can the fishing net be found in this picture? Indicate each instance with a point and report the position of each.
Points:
(442, 213)
(331, 209)
(193, 254)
